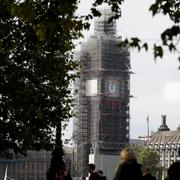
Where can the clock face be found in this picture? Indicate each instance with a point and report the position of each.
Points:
(112, 88)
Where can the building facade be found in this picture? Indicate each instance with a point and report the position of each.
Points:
(166, 143)
(103, 104)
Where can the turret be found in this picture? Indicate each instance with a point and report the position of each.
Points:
(163, 126)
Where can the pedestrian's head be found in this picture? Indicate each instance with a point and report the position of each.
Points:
(146, 170)
(91, 168)
(127, 154)
(173, 171)
(100, 172)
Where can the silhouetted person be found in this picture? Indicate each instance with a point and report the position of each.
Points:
(100, 173)
(129, 168)
(63, 174)
(174, 170)
(58, 169)
(93, 175)
(83, 178)
(147, 175)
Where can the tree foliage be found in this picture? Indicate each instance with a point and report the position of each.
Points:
(170, 37)
(148, 158)
(36, 69)
(36, 66)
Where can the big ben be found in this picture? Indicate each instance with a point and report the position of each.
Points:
(103, 109)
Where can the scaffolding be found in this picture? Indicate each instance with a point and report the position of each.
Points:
(103, 107)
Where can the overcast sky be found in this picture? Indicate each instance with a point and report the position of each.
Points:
(156, 84)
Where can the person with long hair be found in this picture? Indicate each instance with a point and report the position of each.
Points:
(129, 168)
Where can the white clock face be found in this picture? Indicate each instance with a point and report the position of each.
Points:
(112, 88)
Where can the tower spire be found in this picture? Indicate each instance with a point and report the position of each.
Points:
(103, 25)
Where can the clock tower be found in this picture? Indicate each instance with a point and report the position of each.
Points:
(103, 110)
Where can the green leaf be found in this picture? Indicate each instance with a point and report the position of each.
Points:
(145, 46)
(172, 47)
(154, 8)
(95, 12)
(123, 44)
(135, 43)
(158, 51)
(98, 2)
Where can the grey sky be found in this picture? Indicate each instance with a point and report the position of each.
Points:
(156, 84)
